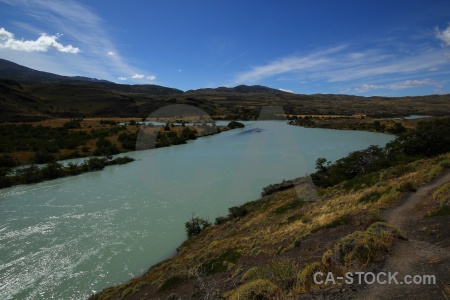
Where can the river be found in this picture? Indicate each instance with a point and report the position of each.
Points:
(66, 238)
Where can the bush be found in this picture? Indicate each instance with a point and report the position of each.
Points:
(128, 140)
(42, 157)
(72, 124)
(289, 206)
(407, 186)
(220, 220)
(218, 264)
(8, 161)
(369, 197)
(237, 212)
(105, 148)
(52, 170)
(235, 124)
(362, 247)
(171, 282)
(195, 226)
(260, 289)
(281, 271)
(306, 276)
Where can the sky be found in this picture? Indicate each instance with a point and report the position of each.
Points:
(384, 48)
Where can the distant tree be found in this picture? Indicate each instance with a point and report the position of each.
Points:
(398, 128)
(42, 157)
(52, 170)
(235, 124)
(196, 225)
(320, 164)
(30, 174)
(8, 161)
(105, 148)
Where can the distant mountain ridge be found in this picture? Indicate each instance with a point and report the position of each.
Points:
(13, 71)
(27, 95)
(242, 89)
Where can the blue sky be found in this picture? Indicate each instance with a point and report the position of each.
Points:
(387, 48)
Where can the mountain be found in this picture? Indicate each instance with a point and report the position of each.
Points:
(27, 95)
(13, 71)
(241, 89)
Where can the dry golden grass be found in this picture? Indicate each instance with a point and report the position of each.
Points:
(270, 230)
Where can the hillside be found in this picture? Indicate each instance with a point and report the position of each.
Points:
(28, 95)
(271, 247)
(363, 212)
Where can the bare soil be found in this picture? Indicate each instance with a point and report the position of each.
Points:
(425, 251)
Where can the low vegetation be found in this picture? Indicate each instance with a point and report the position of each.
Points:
(49, 141)
(428, 139)
(53, 170)
(268, 248)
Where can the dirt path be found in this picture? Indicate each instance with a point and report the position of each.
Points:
(423, 253)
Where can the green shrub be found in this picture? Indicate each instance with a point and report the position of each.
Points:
(195, 226)
(171, 282)
(369, 197)
(406, 186)
(305, 278)
(260, 289)
(362, 247)
(289, 206)
(8, 161)
(237, 212)
(235, 124)
(341, 220)
(217, 265)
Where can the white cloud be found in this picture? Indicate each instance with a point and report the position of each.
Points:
(122, 78)
(42, 44)
(151, 77)
(137, 76)
(110, 53)
(433, 69)
(287, 91)
(85, 28)
(337, 65)
(443, 35)
(395, 86)
(287, 64)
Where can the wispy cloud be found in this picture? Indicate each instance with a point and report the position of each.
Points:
(443, 35)
(288, 65)
(137, 76)
(396, 86)
(81, 27)
(287, 91)
(337, 65)
(42, 44)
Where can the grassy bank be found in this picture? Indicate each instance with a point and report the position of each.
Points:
(48, 141)
(269, 248)
(357, 122)
(274, 248)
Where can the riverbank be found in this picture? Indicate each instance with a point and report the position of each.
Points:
(271, 247)
(274, 248)
(357, 122)
(55, 170)
(52, 141)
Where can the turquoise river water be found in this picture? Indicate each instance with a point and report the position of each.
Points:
(66, 238)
